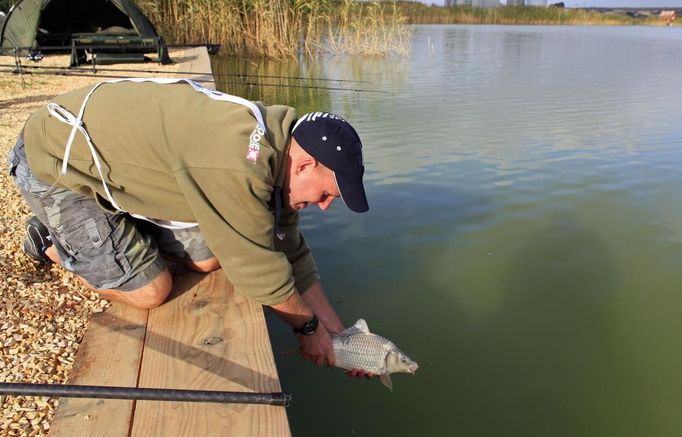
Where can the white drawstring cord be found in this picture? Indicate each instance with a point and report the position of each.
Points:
(62, 114)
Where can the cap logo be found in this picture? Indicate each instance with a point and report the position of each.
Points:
(315, 115)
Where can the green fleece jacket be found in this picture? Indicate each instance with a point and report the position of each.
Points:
(170, 152)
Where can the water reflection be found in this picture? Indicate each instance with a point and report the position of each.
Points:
(309, 85)
(275, 83)
(524, 235)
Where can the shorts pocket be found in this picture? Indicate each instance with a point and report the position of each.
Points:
(94, 233)
(93, 254)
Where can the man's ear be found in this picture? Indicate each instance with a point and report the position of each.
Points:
(306, 163)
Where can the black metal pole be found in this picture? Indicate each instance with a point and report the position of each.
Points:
(79, 74)
(151, 394)
(139, 46)
(186, 73)
(252, 84)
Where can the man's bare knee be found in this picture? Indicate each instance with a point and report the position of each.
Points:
(147, 297)
(155, 293)
(204, 266)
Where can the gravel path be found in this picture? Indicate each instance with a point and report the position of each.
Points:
(44, 311)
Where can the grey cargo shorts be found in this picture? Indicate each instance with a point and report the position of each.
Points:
(109, 250)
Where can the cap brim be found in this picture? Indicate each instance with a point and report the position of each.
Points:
(352, 193)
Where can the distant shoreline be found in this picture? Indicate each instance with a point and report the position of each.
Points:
(419, 13)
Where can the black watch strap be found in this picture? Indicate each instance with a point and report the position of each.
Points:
(309, 327)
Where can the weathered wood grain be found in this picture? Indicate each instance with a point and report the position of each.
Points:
(197, 61)
(208, 338)
(109, 355)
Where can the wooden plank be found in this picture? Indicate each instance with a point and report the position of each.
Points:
(109, 355)
(208, 338)
(197, 60)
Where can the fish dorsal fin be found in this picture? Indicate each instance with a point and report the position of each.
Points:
(359, 327)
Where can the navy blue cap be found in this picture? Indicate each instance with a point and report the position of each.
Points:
(332, 140)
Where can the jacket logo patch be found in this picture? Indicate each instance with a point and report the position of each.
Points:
(254, 144)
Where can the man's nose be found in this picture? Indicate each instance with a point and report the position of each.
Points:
(326, 203)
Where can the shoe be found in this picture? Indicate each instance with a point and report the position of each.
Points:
(37, 240)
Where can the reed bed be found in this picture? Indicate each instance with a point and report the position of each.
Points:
(289, 28)
(267, 28)
(367, 29)
(282, 28)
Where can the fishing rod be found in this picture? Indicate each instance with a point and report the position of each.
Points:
(251, 84)
(189, 73)
(147, 394)
(143, 46)
(123, 42)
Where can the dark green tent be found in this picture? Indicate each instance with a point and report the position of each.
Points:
(49, 24)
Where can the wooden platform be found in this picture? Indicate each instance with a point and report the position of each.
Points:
(196, 61)
(205, 338)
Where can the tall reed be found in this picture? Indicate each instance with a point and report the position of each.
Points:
(282, 28)
(267, 28)
(360, 28)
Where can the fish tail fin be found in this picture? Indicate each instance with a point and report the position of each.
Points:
(293, 352)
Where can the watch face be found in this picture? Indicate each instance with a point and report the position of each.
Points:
(309, 327)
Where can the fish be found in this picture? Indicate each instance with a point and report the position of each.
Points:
(357, 348)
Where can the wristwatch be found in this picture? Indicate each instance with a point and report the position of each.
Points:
(308, 328)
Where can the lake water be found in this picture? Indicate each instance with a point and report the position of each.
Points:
(524, 239)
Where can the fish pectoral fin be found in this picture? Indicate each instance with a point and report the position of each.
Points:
(386, 380)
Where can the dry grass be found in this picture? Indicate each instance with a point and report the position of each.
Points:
(267, 28)
(366, 29)
(282, 29)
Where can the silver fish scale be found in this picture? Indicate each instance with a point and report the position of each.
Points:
(362, 351)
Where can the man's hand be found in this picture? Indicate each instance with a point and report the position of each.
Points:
(317, 348)
(359, 373)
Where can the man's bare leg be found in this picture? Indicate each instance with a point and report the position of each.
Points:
(150, 296)
(205, 266)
